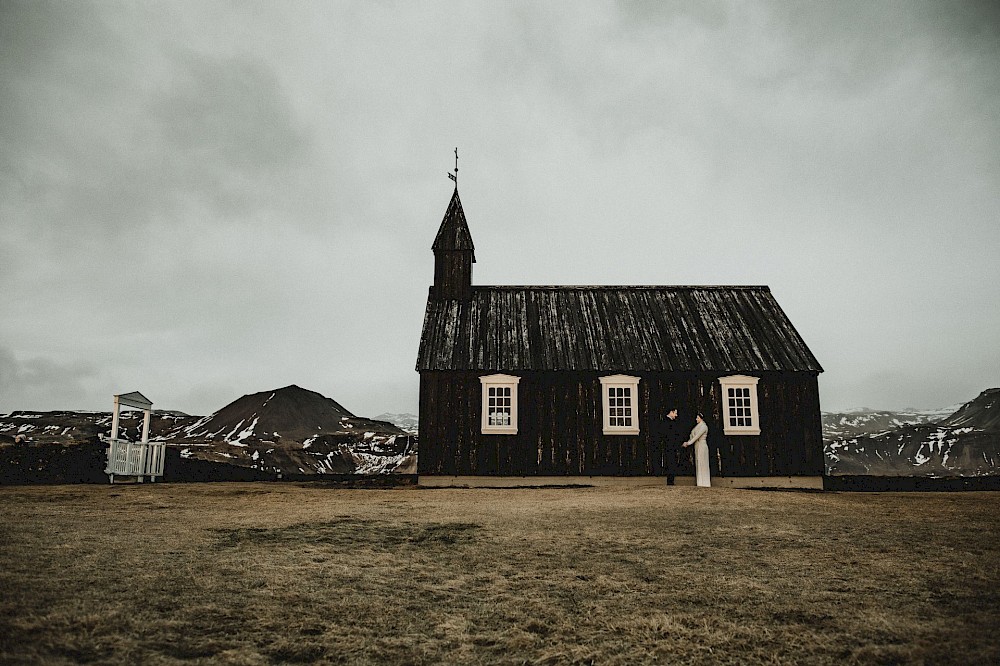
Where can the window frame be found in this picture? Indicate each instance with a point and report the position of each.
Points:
(740, 382)
(498, 381)
(620, 381)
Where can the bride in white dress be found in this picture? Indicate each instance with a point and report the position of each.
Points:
(699, 437)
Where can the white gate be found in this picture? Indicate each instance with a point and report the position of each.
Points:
(138, 459)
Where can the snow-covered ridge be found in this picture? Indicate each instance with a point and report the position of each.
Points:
(837, 425)
(405, 421)
(960, 441)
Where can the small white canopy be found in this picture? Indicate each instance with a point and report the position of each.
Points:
(134, 399)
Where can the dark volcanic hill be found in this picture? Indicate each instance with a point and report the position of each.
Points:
(295, 431)
(291, 412)
(966, 443)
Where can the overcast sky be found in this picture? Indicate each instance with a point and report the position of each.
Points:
(202, 200)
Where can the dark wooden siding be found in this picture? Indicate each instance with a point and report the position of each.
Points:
(452, 275)
(560, 427)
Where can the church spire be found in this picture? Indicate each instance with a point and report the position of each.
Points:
(454, 253)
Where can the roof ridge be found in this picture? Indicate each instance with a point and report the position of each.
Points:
(626, 286)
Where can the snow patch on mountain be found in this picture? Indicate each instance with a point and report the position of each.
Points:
(407, 422)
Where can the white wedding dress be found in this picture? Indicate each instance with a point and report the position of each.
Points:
(699, 437)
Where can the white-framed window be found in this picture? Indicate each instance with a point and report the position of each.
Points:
(620, 399)
(499, 404)
(740, 415)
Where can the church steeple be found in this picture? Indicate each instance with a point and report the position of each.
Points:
(454, 254)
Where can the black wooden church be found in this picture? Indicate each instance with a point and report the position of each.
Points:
(541, 382)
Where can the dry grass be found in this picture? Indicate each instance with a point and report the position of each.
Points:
(281, 573)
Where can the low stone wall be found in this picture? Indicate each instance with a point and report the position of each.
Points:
(910, 483)
(813, 482)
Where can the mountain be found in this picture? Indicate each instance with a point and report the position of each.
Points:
(407, 422)
(963, 443)
(68, 428)
(65, 446)
(285, 431)
(854, 423)
(296, 431)
(291, 412)
(983, 413)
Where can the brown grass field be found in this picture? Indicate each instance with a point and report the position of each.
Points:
(285, 573)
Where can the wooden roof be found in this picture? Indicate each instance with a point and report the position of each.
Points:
(613, 329)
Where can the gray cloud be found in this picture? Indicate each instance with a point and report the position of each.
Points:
(42, 381)
(228, 131)
(108, 133)
(210, 199)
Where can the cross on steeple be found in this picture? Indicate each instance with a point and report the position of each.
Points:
(454, 176)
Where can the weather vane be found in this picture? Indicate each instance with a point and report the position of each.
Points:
(454, 176)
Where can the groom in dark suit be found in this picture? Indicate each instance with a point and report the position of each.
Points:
(668, 436)
(671, 439)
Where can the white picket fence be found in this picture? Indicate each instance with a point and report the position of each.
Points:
(135, 459)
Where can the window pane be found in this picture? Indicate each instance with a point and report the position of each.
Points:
(739, 407)
(499, 417)
(499, 405)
